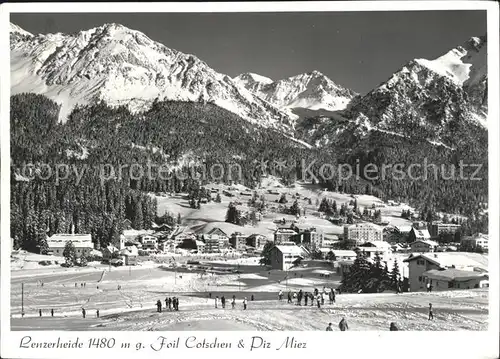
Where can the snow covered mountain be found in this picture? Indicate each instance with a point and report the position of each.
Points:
(311, 90)
(124, 67)
(428, 98)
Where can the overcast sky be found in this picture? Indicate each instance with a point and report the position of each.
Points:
(358, 50)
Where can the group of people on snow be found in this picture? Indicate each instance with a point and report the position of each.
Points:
(170, 303)
(315, 297)
(222, 302)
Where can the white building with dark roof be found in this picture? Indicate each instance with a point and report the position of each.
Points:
(420, 263)
(363, 232)
(82, 243)
(449, 279)
(424, 245)
(286, 256)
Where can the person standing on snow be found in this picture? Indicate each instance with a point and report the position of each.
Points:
(245, 303)
(343, 325)
(216, 301)
(393, 327)
(329, 327)
(431, 314)
(280, 295)
(223, 302)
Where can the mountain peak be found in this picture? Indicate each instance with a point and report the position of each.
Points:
(122, 66)
(16, 29)
(250, 76)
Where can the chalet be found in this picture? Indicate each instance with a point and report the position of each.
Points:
(129, 255)
(449, 279)
(149, 242)
(343, 255)
(82, 243)
(218, 232)
(286, 256)
(372, 248)
(167, 246)
(418, 235)
(161, 227)
(126, 224)
(422, 246)
(133, 234)
(477, 242)
(418, 264)
(404, 230)
(109, 252)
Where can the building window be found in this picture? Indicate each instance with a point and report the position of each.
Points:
(420, 262)
(419, 278)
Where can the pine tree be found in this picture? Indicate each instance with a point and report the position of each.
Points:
(334, 207)
(138, 222)
(358, 277)
(218, 199)
(233, 215)
(69, 253)
(325, 206)
(294, 208)
(266, 254)
(395, 274)
(43, 246)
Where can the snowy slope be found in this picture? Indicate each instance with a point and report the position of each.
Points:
(124, 67)
(311, 90)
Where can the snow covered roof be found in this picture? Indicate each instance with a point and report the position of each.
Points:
(325, 250)
(364, 224)
(344, 253)
(135, 232)
(130, 251)
(111, 248)
(290, 250)
(457, 259)
(285, 230)
(421, 233)
(403, 229)
(426, 241)
(380, 244)
(453, 274)
(59, 240)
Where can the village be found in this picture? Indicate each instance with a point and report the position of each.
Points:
(280, 251)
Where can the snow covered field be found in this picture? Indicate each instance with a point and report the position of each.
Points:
(213, 214)
(133, 306)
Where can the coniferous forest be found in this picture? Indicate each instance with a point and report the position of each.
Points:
(96, 138)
